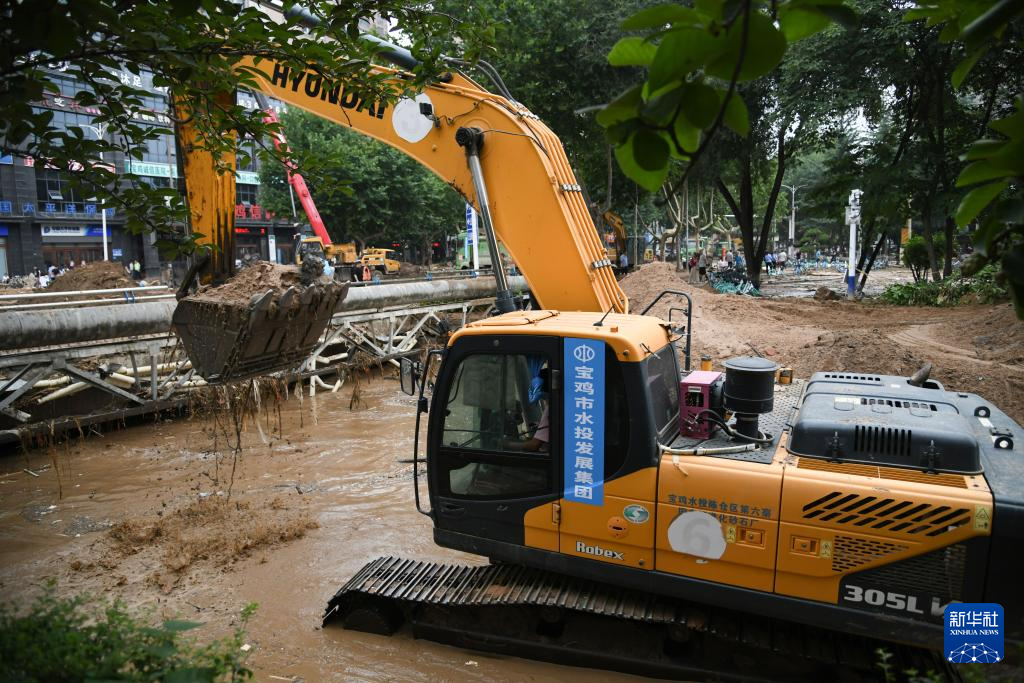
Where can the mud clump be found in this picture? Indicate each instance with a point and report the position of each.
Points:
(212, 530)
(95, 275)
(248, 282)
(825, 294)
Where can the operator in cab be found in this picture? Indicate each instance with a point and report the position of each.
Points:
(538, 442)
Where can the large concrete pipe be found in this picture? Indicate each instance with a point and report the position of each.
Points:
(76, 325)
(28, 329)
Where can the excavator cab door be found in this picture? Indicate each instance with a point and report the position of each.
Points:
(494, 457)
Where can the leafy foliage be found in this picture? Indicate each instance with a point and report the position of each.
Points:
(191, 47)
(996, 167)
(363, 189)
(915, 256)
(61, 639)
(982, 288)
(553, 56)
(695, 57)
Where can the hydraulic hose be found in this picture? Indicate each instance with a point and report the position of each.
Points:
(718, 420)
(717, 450)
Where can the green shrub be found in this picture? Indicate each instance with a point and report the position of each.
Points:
(76, 639)
(915, 256)
(983, 288)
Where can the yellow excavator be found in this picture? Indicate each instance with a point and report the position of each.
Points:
(638, 515)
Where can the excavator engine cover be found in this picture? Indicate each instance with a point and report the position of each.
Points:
(233, 340)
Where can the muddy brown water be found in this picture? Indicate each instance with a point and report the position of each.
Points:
(334, 464)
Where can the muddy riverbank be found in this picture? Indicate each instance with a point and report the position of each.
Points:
(142, 515)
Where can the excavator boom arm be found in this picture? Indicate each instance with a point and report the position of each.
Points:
(537, 206)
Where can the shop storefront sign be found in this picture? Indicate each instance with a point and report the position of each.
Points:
(72, 231)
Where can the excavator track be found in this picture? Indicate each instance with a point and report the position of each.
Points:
(531, 613)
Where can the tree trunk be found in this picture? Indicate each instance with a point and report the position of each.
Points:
(865, 243)
(428, 251)
(608, 185)
(947, 266)
(933, 263)
(754, 250)
(871, 261)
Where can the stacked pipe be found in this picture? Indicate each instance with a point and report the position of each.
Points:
(70, 326)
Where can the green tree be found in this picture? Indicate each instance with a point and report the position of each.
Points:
(990, 33)
(916, 257)
(552, 56)
(191, 47)
(363, 189)
(706, 70)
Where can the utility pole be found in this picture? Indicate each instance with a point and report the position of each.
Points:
(792, 212)
(853, 220)
(100, 131)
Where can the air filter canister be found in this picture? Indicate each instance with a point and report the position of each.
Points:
(749, 385)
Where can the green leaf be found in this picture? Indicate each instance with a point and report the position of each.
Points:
(709, 8)
(965, 66)
(976, 201)
(839, 13)
(992, 21)
(800, 22)
(764, 49)
(700, 104)
(179, 626)
(618, 133)
(1011, 126)
(660, 15)
(622, 108)
(1009, 158)
(981, 149)
(649, 150)
(680, 52)
(736, 116)
(661, 109)
(632, 51)
(649, 180)
(687, 134)
(979, 172)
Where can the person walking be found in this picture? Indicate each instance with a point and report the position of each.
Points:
(623, 262)
(702, 267)
(136, 270)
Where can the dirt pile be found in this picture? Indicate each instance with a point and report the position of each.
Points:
(979, 349)
(212, 530)
(650, 280)
(250, 281)
(95, 275)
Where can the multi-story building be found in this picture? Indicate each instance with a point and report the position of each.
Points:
(43, 220)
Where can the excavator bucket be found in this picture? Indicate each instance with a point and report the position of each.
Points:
(232, 338)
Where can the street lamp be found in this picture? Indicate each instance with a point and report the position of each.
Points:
(792, 214)
(101, 134)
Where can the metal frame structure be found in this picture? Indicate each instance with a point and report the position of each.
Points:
(152, 374)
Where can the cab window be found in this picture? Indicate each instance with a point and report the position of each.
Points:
(663, 387)
(496, 439)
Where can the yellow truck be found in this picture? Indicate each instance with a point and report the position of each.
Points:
(342, 256)
(379, 259)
